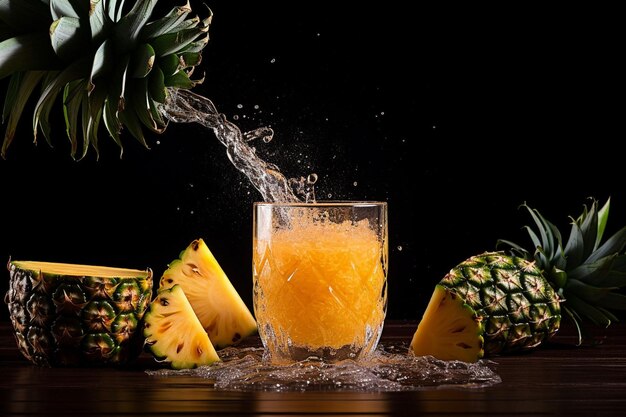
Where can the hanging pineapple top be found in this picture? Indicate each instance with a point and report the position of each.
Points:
(107, 61)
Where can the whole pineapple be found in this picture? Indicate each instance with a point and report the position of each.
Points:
(520, 297)
(71, 315)
(107, 61)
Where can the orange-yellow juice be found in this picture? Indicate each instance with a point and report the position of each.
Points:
(320, 285)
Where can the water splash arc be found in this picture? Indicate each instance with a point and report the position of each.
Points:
(184, 106)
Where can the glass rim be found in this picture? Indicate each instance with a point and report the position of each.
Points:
(323, 203)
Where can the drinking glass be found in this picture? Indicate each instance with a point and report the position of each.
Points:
(320, 278)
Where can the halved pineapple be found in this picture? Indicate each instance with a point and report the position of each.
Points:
(173, 332)
(77, 315)
(217, 304)
(449, 329)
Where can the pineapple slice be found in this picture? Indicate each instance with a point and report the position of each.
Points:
(173, 332)
(215, 301)
(449, 329)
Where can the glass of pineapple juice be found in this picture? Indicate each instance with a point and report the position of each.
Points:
(320, 278)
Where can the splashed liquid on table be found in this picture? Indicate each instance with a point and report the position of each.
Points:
(389, 369)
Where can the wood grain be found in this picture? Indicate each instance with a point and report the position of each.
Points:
(556, 379)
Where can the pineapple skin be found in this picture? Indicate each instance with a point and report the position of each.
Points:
(61, 320)
(519, 308)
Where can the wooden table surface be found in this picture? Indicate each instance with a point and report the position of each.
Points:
(556, 379)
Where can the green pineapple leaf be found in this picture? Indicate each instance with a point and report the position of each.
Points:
(102, 61)
(191, 59)
(114, 9)
(143, 61)
(169, 65)
(613, 301)
(171, 43)
(99, 21)
(11, 95)
(589, 229)
(521, 251)
(613, 245)
(69, 74)
(66, 37)
(64, 8)
(575, 318)
(603, 216)
(71, 109)
(90, 44)
(587, 310)
(592, 271)
(156, 85)
(26, 52)
(587, 273)
(586, 292)
(163, 25)
(130, 26)
(139, 97)
(574, 247)
(180, 80)
(544, 231)
(28, 83)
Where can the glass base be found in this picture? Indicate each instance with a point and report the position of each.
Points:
(298, 354)
(286, 352)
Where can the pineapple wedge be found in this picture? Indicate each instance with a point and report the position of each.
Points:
(174, 334)
(449, 330)
(220, 309)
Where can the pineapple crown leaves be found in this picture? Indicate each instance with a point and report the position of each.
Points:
(587, 271)
(105, 59)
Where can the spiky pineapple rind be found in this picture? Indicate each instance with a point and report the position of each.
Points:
(518, 307)
(58, 321)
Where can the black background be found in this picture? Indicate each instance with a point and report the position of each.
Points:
(453, 116)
